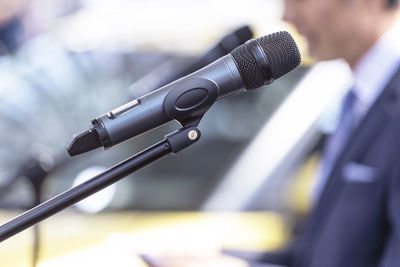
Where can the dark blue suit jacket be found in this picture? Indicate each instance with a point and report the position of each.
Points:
(356, 222)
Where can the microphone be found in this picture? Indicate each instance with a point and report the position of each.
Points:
(168, 72)
(223, 47)
(256, 63)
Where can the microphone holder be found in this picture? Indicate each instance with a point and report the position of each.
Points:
(172, 143)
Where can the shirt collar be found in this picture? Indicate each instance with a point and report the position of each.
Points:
(376, 67)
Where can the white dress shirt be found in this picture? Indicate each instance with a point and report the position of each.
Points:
(374, 70)
(371, 75)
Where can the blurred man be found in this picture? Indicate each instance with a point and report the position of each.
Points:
(356, 218)
(355, 221)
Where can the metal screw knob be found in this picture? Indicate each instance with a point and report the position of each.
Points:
(192, 134)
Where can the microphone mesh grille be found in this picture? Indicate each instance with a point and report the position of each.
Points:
(248, 67)
(281, 51)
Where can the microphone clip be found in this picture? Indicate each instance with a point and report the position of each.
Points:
(190, 100)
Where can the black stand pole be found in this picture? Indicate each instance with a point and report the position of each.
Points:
(36, 172)
(36, 230)
(172, 143)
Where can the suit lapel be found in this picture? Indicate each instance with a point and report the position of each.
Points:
(366, 132)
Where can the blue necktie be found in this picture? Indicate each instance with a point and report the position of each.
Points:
(337, 140)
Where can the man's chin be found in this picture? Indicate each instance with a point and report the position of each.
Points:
(322, 56)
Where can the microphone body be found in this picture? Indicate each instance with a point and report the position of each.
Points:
(149, 111)
(222, 48)
(256, 63)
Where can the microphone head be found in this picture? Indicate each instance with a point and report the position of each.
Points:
(260, 61)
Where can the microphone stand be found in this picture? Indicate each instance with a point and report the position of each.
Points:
(183, 104)
(172, 143)
(35, 170)
(36, 174)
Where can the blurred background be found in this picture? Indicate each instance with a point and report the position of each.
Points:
(66, 62)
